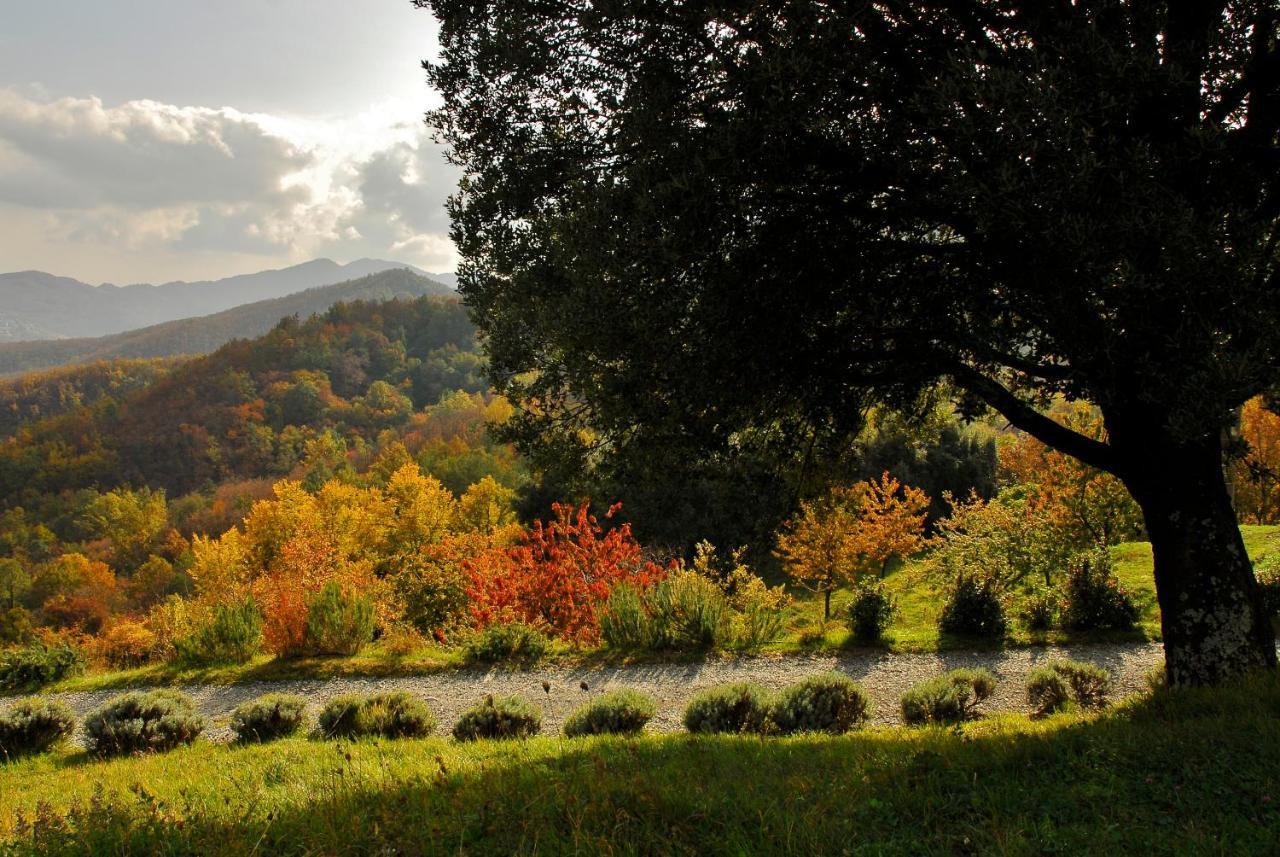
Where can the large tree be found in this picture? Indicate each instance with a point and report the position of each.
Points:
(707, 218)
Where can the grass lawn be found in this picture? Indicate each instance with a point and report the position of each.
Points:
(1188, 772)
(914, 629)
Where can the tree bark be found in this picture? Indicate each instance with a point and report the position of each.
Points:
(1211, 611)
(826, 605)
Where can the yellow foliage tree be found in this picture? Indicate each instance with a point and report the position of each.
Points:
(1255, 478)
(486, 506)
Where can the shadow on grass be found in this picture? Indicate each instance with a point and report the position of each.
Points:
(1181, 772)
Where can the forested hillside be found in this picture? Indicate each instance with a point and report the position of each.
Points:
(40, 395)
(256, 408)
(203, 334)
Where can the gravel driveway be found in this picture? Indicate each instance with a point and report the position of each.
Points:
(884, 675)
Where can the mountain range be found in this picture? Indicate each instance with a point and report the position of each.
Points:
(38, 306)
(203, 334)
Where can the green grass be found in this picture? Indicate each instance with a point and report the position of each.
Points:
(914, 629)
(1186, 772)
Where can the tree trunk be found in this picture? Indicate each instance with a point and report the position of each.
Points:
(826, 605)
(1211, 612)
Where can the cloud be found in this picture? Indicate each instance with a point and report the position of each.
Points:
(161, 179)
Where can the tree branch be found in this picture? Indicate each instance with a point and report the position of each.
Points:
(1092, 452)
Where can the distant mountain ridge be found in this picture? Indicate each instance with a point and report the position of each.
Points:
(200, 335)
(37, 306)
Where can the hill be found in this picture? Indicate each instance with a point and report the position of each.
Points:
(36, 305)
(40, 395)
(203, 334)
(256, 408)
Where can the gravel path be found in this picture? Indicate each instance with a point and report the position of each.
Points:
(885, 676)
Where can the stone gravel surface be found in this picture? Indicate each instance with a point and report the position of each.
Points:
(884, 675)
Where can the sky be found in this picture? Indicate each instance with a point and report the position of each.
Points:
(158, 140)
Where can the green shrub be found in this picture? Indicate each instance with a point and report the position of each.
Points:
(618, 712)
(1040, 612)
(948, 698)
(734, 708)
(831, 702)
(759, 622)
(338, 624)
(870, 612)
(624, 622)
(514, 643)
(36, 665)
(1047, 691)
(974, 609)
(1051, 687)
(141, 722)
(434, 593)
(499, 717)
(32, 726)
(276, 715)
(688, 611)
(233, 636)
(395, 714)
(1094, 599)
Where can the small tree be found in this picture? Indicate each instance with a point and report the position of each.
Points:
(852, 532)
(818, 548)
(891, 521)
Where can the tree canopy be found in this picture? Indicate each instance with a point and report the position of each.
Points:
(697, 220)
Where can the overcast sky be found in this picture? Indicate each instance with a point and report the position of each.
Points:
(153, 140)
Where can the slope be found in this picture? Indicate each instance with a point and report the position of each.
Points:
(203, 334)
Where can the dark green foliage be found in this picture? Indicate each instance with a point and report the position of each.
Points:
(32, 726)
(1095, 600)
(142, 722)
(233, 636)
(338, 624)
(948, 698)
(396, 714)
(974, 609)
(831, 702)
(618, 712)
(731, 708)
(499, 717)
(870, 612)
(911, 168)
(508, 643)
(275, 715)
(38, 664)
(1051, 687)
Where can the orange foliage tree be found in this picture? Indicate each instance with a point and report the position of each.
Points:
(850, 532)
(558, 574)
(1091, 506)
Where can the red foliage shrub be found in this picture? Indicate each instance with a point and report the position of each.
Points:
(558, 574)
